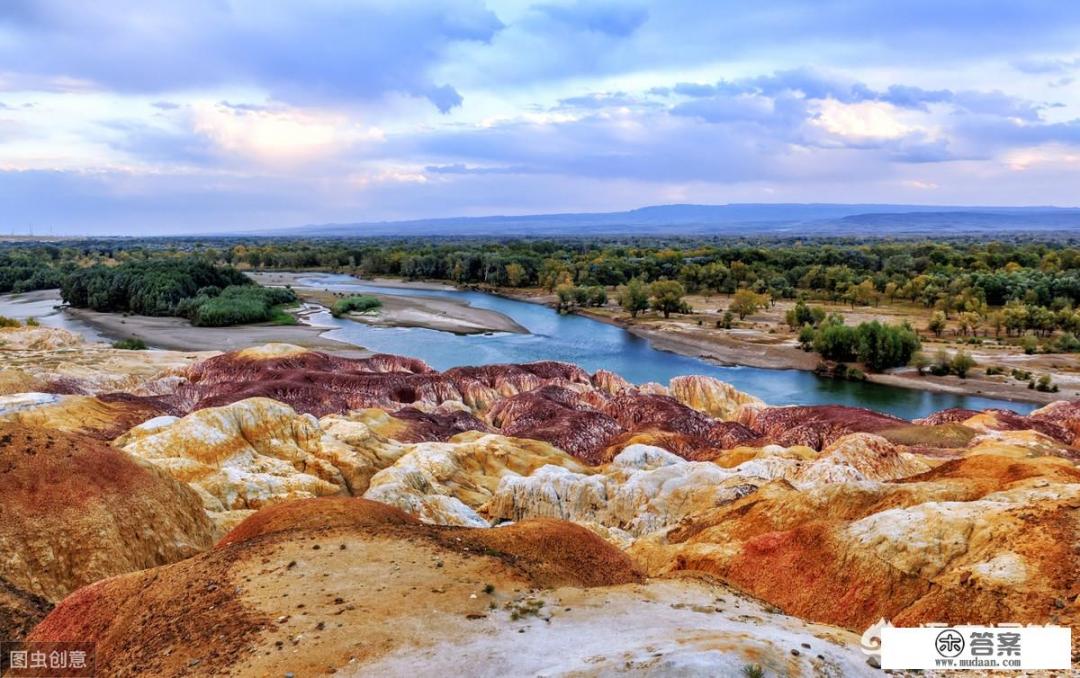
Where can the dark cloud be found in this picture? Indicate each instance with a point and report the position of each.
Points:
(444, 97)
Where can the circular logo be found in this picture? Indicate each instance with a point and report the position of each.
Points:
(949, 643)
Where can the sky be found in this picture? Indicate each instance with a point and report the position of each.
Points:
(152, 117)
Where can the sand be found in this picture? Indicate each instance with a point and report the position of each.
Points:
(433, 313)
(178, 334)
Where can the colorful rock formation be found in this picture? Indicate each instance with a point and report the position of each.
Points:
(75, 511)
(343, 585)
(367, 498)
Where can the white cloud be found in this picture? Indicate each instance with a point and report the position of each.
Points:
(278, 134)
(863, 120)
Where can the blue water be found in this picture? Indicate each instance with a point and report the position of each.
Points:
(595, 345)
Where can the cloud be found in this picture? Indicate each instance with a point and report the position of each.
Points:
(300, 53)
(444, 97)
(617, 18)
(329, 109)
(1046, 66)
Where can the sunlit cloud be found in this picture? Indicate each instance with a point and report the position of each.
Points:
(278, 134)
(866, 120)
(1052, 155)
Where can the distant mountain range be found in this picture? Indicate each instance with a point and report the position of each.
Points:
(732, 219)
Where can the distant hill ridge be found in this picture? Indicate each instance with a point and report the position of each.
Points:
(730, 219)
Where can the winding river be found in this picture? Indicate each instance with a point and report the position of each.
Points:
(595, 345)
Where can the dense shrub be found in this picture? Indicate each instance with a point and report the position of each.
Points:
(360, 303)
(238, 305)
(149, 287)
(961, 364)
(210, 296)
(836, 341)
(876, 345)
(132, 344)
(880, 347)
(1046, 384)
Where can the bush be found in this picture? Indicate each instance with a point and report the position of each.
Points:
(994, 370)
(360, 304)
(1067, 343)
(1020, 375)
(961, 364)
(132, 344)
(596, 296)
(880, 347)
(1046, 384)
(239, 305)
(32, 322)
(753, 671)
(8, 322)
(835, 341)
(802, 315)
(920, 362)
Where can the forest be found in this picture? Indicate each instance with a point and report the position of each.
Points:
(1016, 286)
(190, 287)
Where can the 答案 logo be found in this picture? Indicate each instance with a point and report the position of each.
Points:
(949, 643)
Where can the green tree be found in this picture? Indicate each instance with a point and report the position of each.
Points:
(567, 295)
(882, 346)
(961, 363)
(667, 297)
(799, 315)
(596, 296)
(746, 303)
(920, 361)
(937, 323)
(836, 341)
(633, 297)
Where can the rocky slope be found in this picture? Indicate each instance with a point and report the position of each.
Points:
(75, 511)
(639, 515)
(311, 588)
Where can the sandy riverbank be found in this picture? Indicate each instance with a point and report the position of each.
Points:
(435, 313)
(756, 348)
(178, 334)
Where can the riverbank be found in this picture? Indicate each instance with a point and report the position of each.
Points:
(177, 334)
(755, 347)
(433, 313)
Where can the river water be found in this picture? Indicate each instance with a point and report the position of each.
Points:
(595, 345)
(43, 305)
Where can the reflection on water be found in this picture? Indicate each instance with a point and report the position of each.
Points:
(42, 305)
(594, 345)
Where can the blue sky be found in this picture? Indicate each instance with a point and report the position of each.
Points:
(128, 116)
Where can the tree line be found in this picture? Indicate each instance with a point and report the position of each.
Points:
(189, 287)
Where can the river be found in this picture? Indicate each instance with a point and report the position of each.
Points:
(42, 305)
(595, 345)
